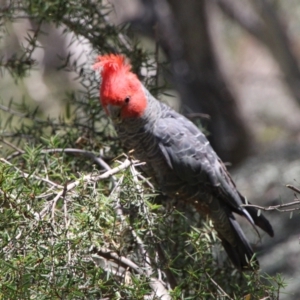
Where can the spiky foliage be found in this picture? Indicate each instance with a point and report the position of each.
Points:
(77, 219)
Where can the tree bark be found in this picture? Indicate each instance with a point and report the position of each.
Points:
(208, 91)
(264, 23)
(182, 30)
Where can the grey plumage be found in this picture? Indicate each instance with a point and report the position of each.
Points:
(183, 165)
(179, 159)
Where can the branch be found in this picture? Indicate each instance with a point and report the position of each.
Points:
(32, 117)
(159, 252)
(218, 287)
(277, 207)
(121, 260)
(26, 175)
(7, 143)
(86, 178)
(156, 285)
(293, 188)
(280, 206)
(98, 160)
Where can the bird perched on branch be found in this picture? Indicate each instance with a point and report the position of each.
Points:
(179, 158)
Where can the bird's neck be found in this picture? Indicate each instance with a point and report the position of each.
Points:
(149, 117)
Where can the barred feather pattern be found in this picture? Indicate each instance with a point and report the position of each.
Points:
(183, 165)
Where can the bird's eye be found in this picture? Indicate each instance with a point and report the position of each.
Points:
(127, 99)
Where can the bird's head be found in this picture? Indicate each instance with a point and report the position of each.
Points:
(121, 93)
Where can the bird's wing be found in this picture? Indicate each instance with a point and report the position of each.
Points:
(189, 154)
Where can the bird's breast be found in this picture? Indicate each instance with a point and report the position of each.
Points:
(146, 149)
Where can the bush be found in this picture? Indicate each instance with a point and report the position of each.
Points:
(78, 220)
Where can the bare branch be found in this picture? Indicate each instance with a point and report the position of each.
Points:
(86, 178)
(293, 188)
(218, 287)
(155, 284)
(121, 260)
(26, 175)
(12, 146)
(280, 207)
(160, 253)
(277, 207)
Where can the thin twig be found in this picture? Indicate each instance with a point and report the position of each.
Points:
(276, 207)
(293, 188)
(26, 175)
(86, 178)
(67, 224)
(218, 287)
(7, 143)
(159, 251)
(197, 116)
(144, 179)
(121, 260)
(140, 243)
(86, 153)
(98, 160)
(156, 285)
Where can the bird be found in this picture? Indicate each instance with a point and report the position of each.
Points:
(178, 157)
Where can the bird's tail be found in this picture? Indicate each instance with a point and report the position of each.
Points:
(231, 234)
(240, 251)
(259, 219)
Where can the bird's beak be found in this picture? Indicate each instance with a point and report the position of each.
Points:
(114, 112)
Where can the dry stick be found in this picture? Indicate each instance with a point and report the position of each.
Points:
(26, 175)
(86, 153)
(276, 207)
(156, 285)
(218, 287)
(7, 143)
(104, 165)
(293, 188)
(160, 253)
(85, 178)
(67, 224)
(121, 260)
(98, 160)
(144, 179)
(89, 154)
(140, 243)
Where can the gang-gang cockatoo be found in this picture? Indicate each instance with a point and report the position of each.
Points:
(179, 159)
